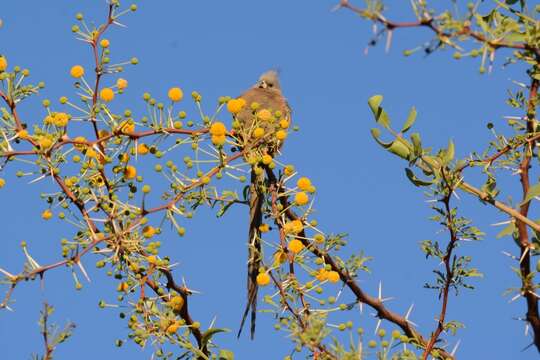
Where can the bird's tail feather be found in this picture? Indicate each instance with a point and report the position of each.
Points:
(256, 200)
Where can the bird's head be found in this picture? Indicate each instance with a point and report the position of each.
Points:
(269, 80)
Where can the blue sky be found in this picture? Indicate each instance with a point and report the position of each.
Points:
(220, 48)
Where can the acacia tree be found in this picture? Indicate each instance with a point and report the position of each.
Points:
(96, 157)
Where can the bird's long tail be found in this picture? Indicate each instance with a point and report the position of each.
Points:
(256, 200)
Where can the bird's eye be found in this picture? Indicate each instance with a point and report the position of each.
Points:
(270, 85)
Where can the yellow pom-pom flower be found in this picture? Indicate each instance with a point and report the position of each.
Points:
(2, 183)
(281, 135)
(263, 279)
(333, 276)
(301, 198)
(127, 126)
(322, 274)
(266, 159)
(3, 64)
(47, 214)
(293, 227)
(264, 228)
(130, 172)
(284, 123)
(295, 246)
(77, 71)
(152, 259)
(218, 129)
(258, 133)
(303, 183)
(106, 94)
(265, 115)
(218, 140)
(172, 329)
(142, 149)
(44, 142)
(104, 43)
(175, 94)
(148, 231)
(176, 303)
(234, 106)
(121, 84)
(23, 134)
(289, 170)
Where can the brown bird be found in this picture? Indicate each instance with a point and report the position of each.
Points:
(267, 95)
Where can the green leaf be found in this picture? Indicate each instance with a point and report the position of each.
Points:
(416, 181)
(226, 355)
(211, 332)
(400, 148)
(533, 192)
(410, 120)
(381, 116)
(508, 230)
(375, 132)
(417, 144)
(449, 153)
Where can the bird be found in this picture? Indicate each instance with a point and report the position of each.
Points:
(266, 94)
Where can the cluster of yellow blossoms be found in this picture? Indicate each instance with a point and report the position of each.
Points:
(59, 119)
(218, 132)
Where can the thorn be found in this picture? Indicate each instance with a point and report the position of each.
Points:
(378, 325)
(453, 353)
(83, 270)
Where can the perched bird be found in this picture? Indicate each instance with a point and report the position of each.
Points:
(266, 108)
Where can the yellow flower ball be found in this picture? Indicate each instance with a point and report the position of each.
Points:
(205, 180)
(23, 134)
(264, 228)
(322, 274)
(293, 227)
(148, 231)
(104, 43)
(301, 198)
(289, 170)
(80, 139)
(295, 246)
(60, 119)
(142, 149)
(130, 172)
(218, 140)
(319, 238)
(176, 303)
(3, 64)
(2, 183)
(47, 214)
(281, 135)
(234, 106)
(303, 183)
(266, 159)
(258, 133)
(123, 287)
(77, 71)
(175, 94)
(172, 329)
(121, 83)
(218, 129)
(263, 279)
(284, 123)
(265, 115)
(152, 259)
(127, 126)
(106, 94)
(44, 142)
(333, 276)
